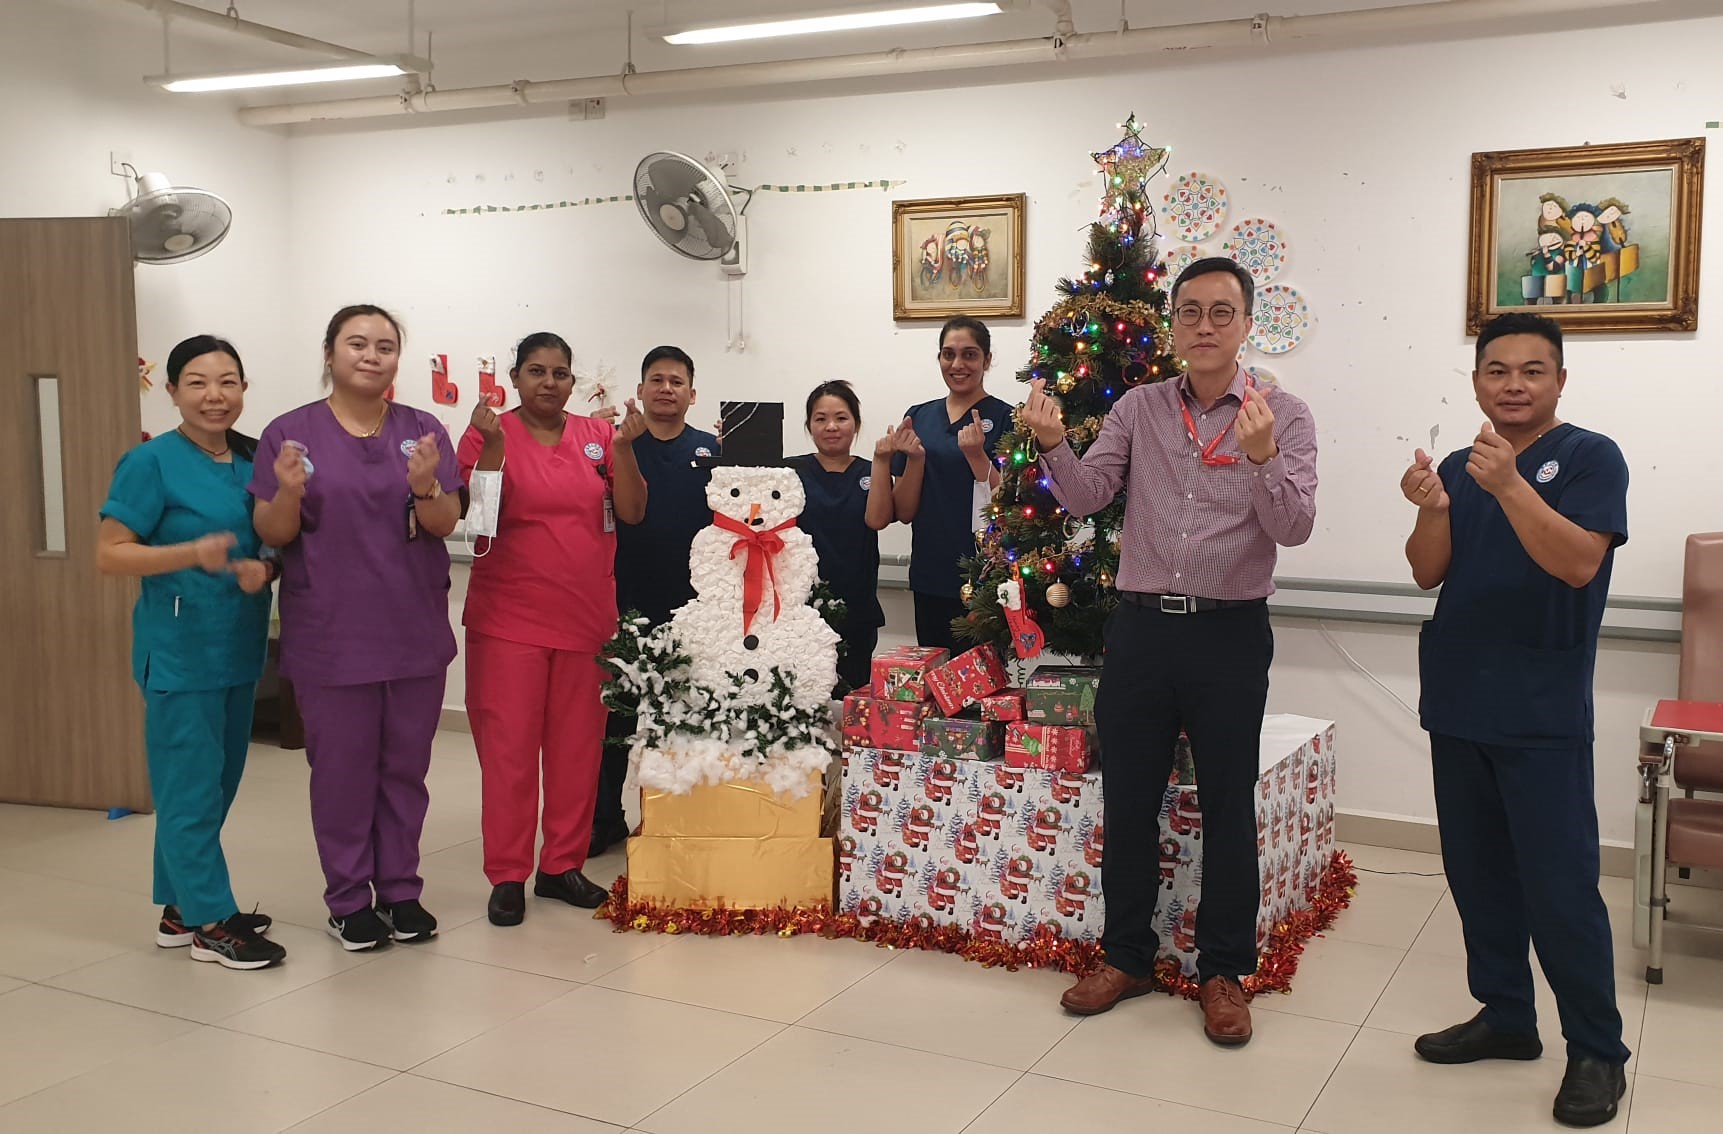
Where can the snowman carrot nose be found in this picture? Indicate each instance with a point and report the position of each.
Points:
(753, 512)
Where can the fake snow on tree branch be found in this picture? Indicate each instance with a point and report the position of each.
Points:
(1108, 334)
(737, 685)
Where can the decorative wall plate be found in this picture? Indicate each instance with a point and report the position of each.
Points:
(1282, 318)
(1195, 207)
(1258, 246)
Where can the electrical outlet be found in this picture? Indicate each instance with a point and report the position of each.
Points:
(117, 161)
(586, 110)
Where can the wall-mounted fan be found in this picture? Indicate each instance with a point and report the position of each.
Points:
(692, 209)
(173, 223)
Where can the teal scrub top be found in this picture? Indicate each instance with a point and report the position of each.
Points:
(191, 630)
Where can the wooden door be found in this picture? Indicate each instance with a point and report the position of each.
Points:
(71, 720)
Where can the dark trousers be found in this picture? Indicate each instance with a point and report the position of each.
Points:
(855, 666)
(612, 771)
(933, 617)
(1206, 674)
(1519, 845)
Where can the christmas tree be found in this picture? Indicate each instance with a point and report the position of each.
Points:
(1108, 333)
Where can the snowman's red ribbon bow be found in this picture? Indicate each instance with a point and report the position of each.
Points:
(763, 548)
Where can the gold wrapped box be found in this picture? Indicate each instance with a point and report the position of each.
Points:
(735, 810)
(694, 872)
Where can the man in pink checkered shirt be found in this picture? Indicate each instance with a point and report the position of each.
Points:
(1218, 474)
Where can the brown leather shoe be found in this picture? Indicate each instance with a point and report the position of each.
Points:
(1103, 988)
(1226, 1014)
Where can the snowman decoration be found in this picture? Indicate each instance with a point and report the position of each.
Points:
(753, 572)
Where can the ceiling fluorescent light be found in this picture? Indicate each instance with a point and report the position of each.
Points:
(339, 72)
(846, 21)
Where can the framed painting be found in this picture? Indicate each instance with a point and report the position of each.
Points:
(1599, 238)
(957, 256)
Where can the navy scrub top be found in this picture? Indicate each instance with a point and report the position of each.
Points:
(191, 630)
(943, 533)
(1508, 657)
(652, 574)
(835, 515)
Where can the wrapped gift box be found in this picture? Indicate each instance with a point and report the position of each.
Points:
(901, 673)
(738, 809)
(1294, 834)
(1002, 851)
(709, 872)
(1055, 748)
(875, 722)
(1006, 705)
(996, 850)
(965, 679)
(961, 738)
(1062, 695)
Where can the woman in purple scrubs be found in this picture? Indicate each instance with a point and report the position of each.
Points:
(359, 493)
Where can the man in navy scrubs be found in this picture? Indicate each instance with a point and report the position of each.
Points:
(652, 556)
(1520, 531)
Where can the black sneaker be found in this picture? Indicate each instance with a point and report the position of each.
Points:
(508, 903)
(1475, 1040)
(607, 833)
(408, 921)
(361, 929)
(570, 886)
(172, 932)
(233, 945)
(1589, 1091)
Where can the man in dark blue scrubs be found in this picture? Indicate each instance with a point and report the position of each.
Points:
(652, 556)
(1520, 532)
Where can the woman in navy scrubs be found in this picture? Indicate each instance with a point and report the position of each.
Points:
(178, 517)
(938, 493)
(848, 503)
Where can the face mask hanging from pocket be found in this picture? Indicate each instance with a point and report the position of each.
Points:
(484, 505)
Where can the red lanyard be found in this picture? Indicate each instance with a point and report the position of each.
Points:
(1208, 454)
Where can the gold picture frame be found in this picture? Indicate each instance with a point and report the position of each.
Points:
(958, 256)
(1599, 238)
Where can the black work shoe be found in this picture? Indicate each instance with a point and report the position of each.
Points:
(570, 886)
(408, 921)
(1589, 1091)
(606, 834)
(172, 931)
(1475, 1040)
(508, 903)
(233, 944)
(361, 929)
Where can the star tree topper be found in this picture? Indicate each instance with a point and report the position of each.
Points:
(1129, 164)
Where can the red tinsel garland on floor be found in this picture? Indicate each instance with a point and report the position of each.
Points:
(1046, 950)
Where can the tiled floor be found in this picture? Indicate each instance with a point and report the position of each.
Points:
(563, 1025)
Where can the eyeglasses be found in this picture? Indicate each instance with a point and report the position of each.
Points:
(1221, 314)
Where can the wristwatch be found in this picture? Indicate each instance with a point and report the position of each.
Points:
(436, 491)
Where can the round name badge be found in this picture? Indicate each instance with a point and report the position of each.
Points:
(987, 425)
(408, 448)
(867, 483)
(1548, 472)
(702, 451)
(593, 450)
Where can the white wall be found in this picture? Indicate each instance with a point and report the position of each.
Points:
(69, 94)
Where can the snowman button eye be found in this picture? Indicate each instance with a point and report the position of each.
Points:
(777, 495)
(735, 492)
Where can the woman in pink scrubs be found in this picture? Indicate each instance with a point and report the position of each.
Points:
(359, 492)
(541, 604)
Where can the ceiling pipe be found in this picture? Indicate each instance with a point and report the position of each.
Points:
(1261, 31)
(192, 14)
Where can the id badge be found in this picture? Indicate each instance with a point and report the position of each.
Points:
(609, 512)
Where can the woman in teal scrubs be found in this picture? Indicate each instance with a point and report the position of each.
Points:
(178, 516)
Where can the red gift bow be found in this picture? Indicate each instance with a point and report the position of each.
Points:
(767, 544)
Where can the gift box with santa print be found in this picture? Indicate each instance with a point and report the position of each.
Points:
(1062, 748)
(876, 722)
(966, 678)
(1005, 705)
(900, 674)
(1062, 695)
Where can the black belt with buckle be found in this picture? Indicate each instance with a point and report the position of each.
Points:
(1184, 604)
